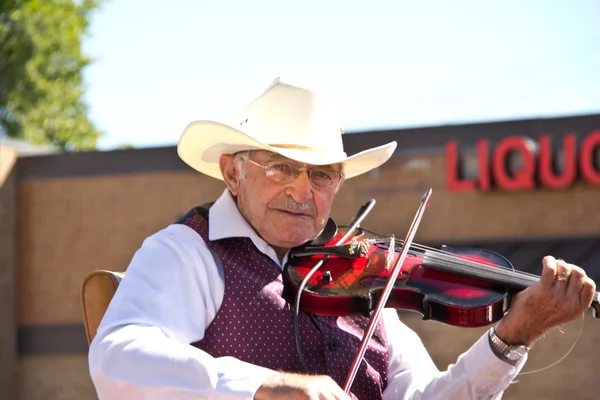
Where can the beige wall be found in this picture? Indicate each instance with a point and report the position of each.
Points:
(54, 377)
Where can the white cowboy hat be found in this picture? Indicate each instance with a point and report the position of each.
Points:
(289, 119)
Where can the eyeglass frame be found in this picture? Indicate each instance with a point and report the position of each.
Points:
(309, 171)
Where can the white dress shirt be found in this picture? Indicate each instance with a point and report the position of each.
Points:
(171, 293)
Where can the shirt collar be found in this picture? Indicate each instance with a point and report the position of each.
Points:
(226, 221)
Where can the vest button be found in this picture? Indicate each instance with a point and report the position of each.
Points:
(333, 345)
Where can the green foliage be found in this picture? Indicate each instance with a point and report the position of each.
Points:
(41, 67)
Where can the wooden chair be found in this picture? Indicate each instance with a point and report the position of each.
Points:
(97, 290)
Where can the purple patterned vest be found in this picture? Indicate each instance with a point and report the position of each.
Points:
(254, 323)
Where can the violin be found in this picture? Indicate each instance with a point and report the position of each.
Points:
(348, 270)
(464, 287)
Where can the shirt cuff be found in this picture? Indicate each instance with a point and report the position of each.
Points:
(241, 380)
(485, 371)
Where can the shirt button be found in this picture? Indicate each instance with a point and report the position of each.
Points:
(333, 345)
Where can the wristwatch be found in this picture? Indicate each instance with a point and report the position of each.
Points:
(509, 353)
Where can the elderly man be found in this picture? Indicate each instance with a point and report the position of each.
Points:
(200, 312)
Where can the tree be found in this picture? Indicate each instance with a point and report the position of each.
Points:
(41, 66)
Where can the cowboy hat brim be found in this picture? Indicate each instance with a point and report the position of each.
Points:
(203, 142)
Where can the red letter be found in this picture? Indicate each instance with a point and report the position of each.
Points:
(453, 170)
(523, 178)
(547, 175)
(587, 160)
(483, 161)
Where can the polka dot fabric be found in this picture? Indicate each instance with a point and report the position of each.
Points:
(255, 323)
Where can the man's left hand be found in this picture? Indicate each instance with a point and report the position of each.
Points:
(563, 294)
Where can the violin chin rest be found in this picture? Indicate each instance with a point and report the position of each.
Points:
(326, 235)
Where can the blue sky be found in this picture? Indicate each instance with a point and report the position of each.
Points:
(395, 63)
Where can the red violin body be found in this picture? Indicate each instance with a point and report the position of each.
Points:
(352, 277)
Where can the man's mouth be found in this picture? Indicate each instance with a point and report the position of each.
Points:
(296, 213)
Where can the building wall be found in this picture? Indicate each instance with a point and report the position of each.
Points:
(78, 213)
(8, 351)
(54, 376)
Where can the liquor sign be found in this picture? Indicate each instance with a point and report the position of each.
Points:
(537, 168)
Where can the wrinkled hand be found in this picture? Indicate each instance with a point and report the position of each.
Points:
(563, 294)
(300, 387)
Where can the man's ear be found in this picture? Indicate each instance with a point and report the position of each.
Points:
(229, 172)
(342, 181)
(341, 184)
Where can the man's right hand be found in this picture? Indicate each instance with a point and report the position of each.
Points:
(300, 387)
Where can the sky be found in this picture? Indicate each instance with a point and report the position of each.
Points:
(390, 64)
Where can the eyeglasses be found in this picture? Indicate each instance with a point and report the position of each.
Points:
(322, 178)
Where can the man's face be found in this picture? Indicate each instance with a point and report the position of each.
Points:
(285, 215)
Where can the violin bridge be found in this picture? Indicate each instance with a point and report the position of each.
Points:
(360, 249)
(364, 249)
(390, 253)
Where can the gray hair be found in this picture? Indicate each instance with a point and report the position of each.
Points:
(240, 159)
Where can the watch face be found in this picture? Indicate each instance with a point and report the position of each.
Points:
(517, 352)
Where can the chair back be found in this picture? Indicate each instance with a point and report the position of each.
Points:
(97, 291)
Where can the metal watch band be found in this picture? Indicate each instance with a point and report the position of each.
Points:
(507, 353)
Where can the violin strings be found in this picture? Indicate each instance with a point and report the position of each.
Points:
(497, 270)
(457, 264)
(496, 267)
(473, 268)
(463, 264)
(520, 273)
(490, 270)
(501, 270)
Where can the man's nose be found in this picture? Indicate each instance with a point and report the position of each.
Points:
(300, 188)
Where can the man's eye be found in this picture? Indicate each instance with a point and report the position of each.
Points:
(322, 174)
(327, 174)
(286, 168)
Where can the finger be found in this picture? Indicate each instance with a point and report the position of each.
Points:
(339, 394)
(331, 391)
(587, 293)
(561, 278)
(548, 271)
(563, 269)
(577, 278)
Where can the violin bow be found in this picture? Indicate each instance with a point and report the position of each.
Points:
(386, 291)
